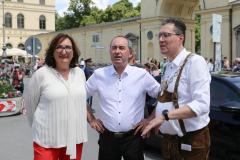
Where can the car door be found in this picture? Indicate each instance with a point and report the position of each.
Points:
(225, 120)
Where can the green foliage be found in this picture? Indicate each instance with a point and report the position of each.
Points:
(59, 22)
(6, 89)
(120, 10)
(82, 12)
(197, 33)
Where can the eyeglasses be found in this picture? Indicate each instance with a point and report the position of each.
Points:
(166, 34)
(60, 48)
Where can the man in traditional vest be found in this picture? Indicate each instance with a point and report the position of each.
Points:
(182, 113)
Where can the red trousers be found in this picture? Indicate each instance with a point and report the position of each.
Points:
(41, 153)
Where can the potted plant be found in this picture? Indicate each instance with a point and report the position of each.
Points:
(10, 98)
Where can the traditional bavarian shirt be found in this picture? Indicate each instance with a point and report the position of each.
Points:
(193, 91)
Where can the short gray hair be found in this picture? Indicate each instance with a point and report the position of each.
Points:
(130, 44)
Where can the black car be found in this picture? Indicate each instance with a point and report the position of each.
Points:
(225, 118)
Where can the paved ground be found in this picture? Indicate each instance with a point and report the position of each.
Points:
(16, 140)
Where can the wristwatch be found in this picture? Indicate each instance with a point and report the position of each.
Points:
(165, 114)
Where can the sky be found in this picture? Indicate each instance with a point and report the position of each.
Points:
(62, 5)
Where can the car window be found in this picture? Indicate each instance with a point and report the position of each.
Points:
(221, 93)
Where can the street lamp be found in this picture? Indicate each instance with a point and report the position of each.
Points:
(4, 54)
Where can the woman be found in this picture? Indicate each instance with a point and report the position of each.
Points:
(55, 99)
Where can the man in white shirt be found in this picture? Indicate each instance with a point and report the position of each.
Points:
(122, 91)
(182, 113)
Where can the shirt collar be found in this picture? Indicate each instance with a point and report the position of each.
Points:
(114, 72)
(180, 57)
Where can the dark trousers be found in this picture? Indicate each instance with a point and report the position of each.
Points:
(129, 147)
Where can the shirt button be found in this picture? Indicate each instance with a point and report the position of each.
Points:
(119, 112)
(118, 123)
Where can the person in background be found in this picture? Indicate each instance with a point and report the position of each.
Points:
(82, 64)
(182, 113)
(226, 64)
(210, 65)
(55, 101)
(88, 71)
(132, 60)
(236, 67)
(122, 92)
(163, 64)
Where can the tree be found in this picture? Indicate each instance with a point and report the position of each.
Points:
(120, 10)
(82, 12)
(197, 33)
(77, 11)
(95, 16)
(59, 22)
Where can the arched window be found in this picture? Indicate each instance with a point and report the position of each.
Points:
(20, 1)
(9, 45)
(8, 20)
(21, 46)
(42, 2)
(42, 22)
(20, 21)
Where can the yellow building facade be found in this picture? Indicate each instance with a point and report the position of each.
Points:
(24, 18)
(93, 40)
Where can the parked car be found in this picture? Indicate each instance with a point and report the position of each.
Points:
(225, 118)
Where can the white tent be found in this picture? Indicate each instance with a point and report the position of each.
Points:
(14, 52)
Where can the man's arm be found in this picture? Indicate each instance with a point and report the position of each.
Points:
(94, 123)
(144, 122)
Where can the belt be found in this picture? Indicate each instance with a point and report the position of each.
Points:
(188, 134)
(119, 134)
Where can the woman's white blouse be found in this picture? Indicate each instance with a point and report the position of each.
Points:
(56, 108)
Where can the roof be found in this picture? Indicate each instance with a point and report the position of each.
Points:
(229, 77)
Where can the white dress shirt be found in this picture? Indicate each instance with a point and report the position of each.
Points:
(193, 91)
(56, 108)
(122, 98)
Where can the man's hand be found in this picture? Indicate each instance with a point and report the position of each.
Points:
(141, 125)
(94, 123)
(97, 125)
(155, 123)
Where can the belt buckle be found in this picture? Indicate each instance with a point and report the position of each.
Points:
(118, 135)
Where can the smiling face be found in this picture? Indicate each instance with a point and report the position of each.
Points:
(63, 53)
(170, 42)
(119, 52)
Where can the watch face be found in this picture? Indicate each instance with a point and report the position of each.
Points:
(150, 35)
(165, 114)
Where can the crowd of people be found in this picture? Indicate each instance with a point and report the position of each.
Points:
(225, 65)
(14, 73)
(58, 99)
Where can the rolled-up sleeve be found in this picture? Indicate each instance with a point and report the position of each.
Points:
(32, 95)
(151, 85)
(91, 85)
(199, 79)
